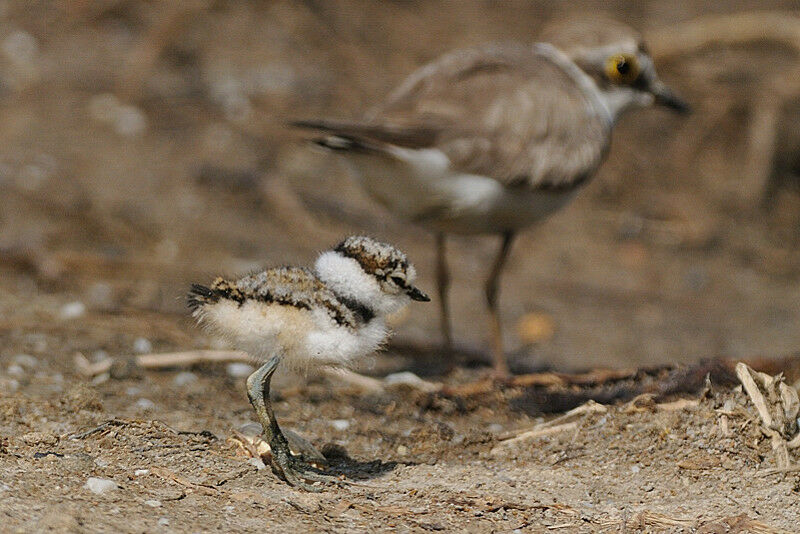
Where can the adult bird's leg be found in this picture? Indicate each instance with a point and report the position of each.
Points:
(492, 290)
(291, 469)
(443, 283)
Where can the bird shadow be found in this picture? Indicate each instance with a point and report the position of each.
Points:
(339, 462)
(432, 360)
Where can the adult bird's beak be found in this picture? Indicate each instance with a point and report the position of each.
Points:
(416, 294)
(665, 97)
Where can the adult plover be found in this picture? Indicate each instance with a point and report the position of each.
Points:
(490, 140)
(291, 315)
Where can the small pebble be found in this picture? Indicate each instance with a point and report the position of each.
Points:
(99, 356)
(132, 391)
(141, 472)
(258, 463)
(229, 508)
(99, 379)
(72, 310)
(184, 379)
(635, 469)
(402, 449)
(25, 360)
(340, 424)
(129, 121)
(5, 487)
(100, 295)
(142, 345)
(20, 47)
(31, 177)
(153, 503)
(163, 521)
(101, 462)
(15, 370)
(9, 385)
(100, 485)
(39, 343)
(145, 404)
(239, 370)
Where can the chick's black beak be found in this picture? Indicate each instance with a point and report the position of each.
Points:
(665, 97)
(416, 294)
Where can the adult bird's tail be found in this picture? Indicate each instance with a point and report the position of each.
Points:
(348, 135)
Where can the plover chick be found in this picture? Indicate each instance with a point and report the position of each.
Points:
(302, 318)
(490, 140)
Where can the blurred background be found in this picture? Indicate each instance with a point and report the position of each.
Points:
(144, 146)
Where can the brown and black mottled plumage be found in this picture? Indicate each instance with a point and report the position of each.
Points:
(377, 259)
(289, 286)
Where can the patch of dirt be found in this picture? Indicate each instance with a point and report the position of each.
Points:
(414, 464)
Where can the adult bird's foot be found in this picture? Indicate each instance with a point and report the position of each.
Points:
(501, 375)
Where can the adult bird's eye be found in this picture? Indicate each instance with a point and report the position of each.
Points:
(399, 281)
(622, 68)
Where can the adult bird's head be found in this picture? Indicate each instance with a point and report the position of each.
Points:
(616, 58)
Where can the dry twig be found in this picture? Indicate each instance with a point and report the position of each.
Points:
(192, 357)
(778, 410)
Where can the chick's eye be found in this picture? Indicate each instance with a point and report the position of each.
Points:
(622, 68)
(399, 281)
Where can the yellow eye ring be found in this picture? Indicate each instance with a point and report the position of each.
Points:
(622, 68)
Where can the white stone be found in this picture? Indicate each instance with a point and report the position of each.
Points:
(145, 404)
(153, 503)
(101, 378)
(142, 345)
(20, 47)
(15, 370)
(258, 463)
(25, 360)
(239, 370)
(31, 177)
(141, 472)
(100, 294)
(72, 310)
(9, 385)
(130, 121)
(100, 485)
(163, 521)
(184, 378)
(340, 424)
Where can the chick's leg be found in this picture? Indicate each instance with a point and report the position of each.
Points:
(291, 469)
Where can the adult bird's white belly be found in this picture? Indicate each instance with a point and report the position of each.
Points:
(419, 185)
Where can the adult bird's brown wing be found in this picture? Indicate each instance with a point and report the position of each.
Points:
(509, 112)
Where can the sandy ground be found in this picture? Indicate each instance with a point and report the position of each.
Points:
(144, 147)
(416, 461)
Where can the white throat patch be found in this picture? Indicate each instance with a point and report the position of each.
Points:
(346, 277)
